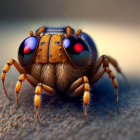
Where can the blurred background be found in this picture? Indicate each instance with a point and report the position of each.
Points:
(113, 24)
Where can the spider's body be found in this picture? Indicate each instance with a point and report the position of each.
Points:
(60, 59)
(53, 67)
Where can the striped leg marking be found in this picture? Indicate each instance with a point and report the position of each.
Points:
(80, 85)
(114, 82)
(22, 78)
(86, 97)
(106, 60)
(38, 90)
(6, 69)
(111, 75)
(19, 86)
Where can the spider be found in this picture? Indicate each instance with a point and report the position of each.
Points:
(61, 60)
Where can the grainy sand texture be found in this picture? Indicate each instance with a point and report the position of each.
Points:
(63, 120)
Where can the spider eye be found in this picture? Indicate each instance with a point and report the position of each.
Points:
(26, 50)
(78, 47)
(77, 50)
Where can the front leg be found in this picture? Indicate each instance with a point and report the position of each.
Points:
(80, 85)
(32, 81)
(38, 89)
(37, 97)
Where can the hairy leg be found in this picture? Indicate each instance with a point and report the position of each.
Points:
(106, 60)
(22, 78)
(80, 85)
(37, 96)
(111, 75)
(32, 81)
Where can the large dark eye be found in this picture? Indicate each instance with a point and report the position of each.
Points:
(78, 51)
(26, 50)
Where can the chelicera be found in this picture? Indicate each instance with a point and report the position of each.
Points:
(61, 60)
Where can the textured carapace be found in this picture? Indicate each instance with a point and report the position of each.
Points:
(55, 46)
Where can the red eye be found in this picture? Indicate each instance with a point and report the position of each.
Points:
(26, 49)
(78, 47)
(77, 50)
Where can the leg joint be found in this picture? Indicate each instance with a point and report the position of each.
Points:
(85, 79)
(4, 71)
(20, 80)
(39, 84)
(107, 69)
(86, 87)
(104, 56)
(8, 64)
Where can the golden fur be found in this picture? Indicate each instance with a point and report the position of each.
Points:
(58, 75)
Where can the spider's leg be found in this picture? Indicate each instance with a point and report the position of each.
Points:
(80, 85)
(22, 78)
(111, 75)
(32, 81)
(6, 69)
(19, 86)
(37, 99)
(106, 60)
(115, 64)
(38, 90)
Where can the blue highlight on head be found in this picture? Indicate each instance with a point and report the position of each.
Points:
(66, 43)
(31, 42)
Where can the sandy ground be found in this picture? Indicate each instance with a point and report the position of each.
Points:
(62, 119)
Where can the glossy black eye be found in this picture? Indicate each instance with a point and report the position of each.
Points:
(26, 50)
(77, 50)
